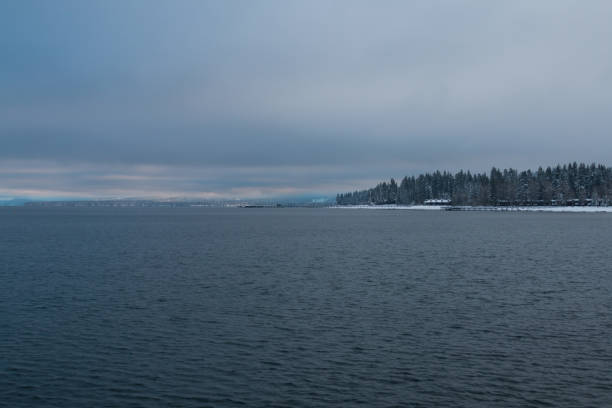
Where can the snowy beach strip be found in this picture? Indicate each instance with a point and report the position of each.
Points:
(556, 209)
(392, 207)
(581, 209)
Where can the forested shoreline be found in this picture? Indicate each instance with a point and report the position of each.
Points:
(570, 184)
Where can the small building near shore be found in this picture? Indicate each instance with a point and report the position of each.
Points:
(437, 201)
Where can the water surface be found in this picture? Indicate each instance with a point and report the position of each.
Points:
(303, 307)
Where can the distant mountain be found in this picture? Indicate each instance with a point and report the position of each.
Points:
(14, 202)
(303, 200)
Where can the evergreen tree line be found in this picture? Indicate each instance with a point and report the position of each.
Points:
(571, 184)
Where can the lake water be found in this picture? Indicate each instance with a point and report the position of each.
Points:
(304, 307)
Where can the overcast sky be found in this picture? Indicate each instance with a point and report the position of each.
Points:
(244, 99)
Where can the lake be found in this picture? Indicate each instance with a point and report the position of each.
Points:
(196, 307)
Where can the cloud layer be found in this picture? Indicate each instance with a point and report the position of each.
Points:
(228, 99)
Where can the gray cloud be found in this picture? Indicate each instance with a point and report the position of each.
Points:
(234, 96)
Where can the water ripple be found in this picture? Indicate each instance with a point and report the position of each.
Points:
(303, 308)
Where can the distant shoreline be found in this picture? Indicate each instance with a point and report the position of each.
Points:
(554, 209)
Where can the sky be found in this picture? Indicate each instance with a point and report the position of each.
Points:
(255, 99)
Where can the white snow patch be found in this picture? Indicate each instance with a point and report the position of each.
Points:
(568, 209)
(576, 209)
(392, 207)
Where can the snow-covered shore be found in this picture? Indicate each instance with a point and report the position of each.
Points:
(581, 209)
(391, 207)
(576, 209)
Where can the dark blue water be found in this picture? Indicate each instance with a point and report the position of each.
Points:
(299, 307)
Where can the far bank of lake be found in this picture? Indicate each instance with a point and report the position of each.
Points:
(555, 209)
